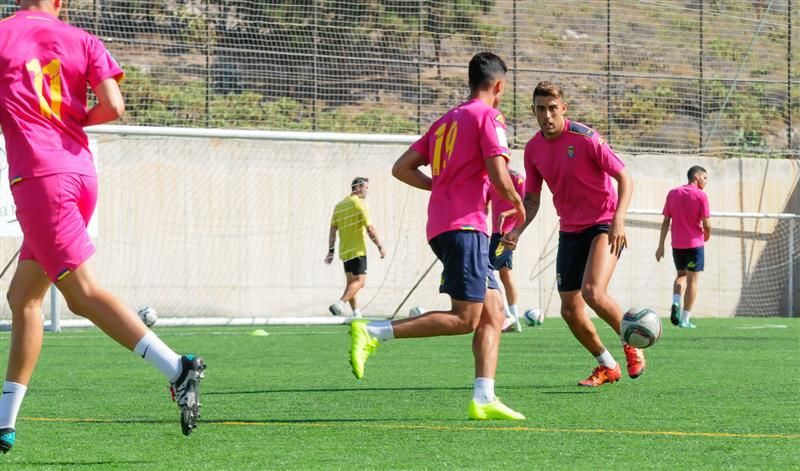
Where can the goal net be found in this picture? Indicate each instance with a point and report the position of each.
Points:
(226, 227)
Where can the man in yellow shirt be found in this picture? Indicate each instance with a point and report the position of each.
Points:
(350, 218)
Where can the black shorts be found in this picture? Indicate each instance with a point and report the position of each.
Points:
(689, 259)
(500, 256)
(356, 266)
(573, 253)
(465, 257)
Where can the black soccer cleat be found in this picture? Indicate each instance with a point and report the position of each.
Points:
(674, 314)
(186, 391)
(7, 438)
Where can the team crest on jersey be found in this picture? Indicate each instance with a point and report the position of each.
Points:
(571, 152)
(499, 118)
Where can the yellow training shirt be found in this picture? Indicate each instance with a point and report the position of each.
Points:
(351, 217)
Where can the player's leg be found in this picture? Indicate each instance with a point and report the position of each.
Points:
(464, 256)
(355, 270)
(485, 348)
(25, 294)
(571, 258)
(680, 259)
(67, 263)
(693, 269)
(507, 279)
(357, 284)
(597, 275)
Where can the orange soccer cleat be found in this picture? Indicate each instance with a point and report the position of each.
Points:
(601, 375)
(635, 357)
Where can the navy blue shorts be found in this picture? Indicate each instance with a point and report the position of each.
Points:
(689, 259)
(466, 273)
(573, 253)
(502, 258)
(356, 266)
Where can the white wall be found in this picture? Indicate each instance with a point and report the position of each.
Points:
(213, 227)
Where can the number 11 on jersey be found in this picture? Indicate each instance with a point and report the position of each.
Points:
(52, 70)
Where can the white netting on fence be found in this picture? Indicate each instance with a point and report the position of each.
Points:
(662, 76)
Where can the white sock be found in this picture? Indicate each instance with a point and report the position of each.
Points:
(356, 312)
(606, 359)
(340, 303)
(483, 392)
(506, 311)
(676, 299)
(685, 315)
(382, 330)
(513, 308)
(158, 354)
(10, 403)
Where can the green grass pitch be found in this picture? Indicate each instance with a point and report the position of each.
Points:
(722, 396)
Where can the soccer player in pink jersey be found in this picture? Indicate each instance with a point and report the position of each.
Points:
(578, 166)
(687, 208)
(466, 149)
(45, 66)
(501, 257)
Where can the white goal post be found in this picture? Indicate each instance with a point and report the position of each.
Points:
(230, 227)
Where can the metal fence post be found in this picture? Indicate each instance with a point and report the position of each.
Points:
(55, 317)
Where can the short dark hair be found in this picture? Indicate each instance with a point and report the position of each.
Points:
(545, 88)
(485, 67)
(694, 171)
(358, 181)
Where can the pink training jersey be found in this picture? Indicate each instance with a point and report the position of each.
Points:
(500, 204)
(456, 147)
(687, 206)
(43, 82)
(577, 166)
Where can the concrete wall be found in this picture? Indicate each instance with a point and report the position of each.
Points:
(211, 227)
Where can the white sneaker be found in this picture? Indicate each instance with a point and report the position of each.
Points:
(511, 324)
(336, 309)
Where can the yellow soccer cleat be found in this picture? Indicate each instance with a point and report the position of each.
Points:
(492, 411)
(362, 344)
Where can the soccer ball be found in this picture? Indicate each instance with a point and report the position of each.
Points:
(148, 315)
(416, 311)
(640, 327)
(534, 317)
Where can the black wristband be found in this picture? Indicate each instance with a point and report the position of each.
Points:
(330, 250)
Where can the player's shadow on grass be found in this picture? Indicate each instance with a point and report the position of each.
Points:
(87, 463)
(559, 389)
(303, 421)
(330, 390)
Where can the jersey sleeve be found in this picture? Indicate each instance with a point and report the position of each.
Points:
(365, 219)
(422, 146)
(667, 212)
(705, 211)
(493, 138)
(335, 216)
(101, 64)
(533, 179)
(606, 159)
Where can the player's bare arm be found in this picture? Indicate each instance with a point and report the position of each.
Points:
(497, 168)
(706, 229)
(662, 237)
(331, 244)
(373, 235)
(616, 233)
(406, 169)
(531, 203)
(110, 105)
(503, 215)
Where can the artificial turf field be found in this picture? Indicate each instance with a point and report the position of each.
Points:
(722, 396)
